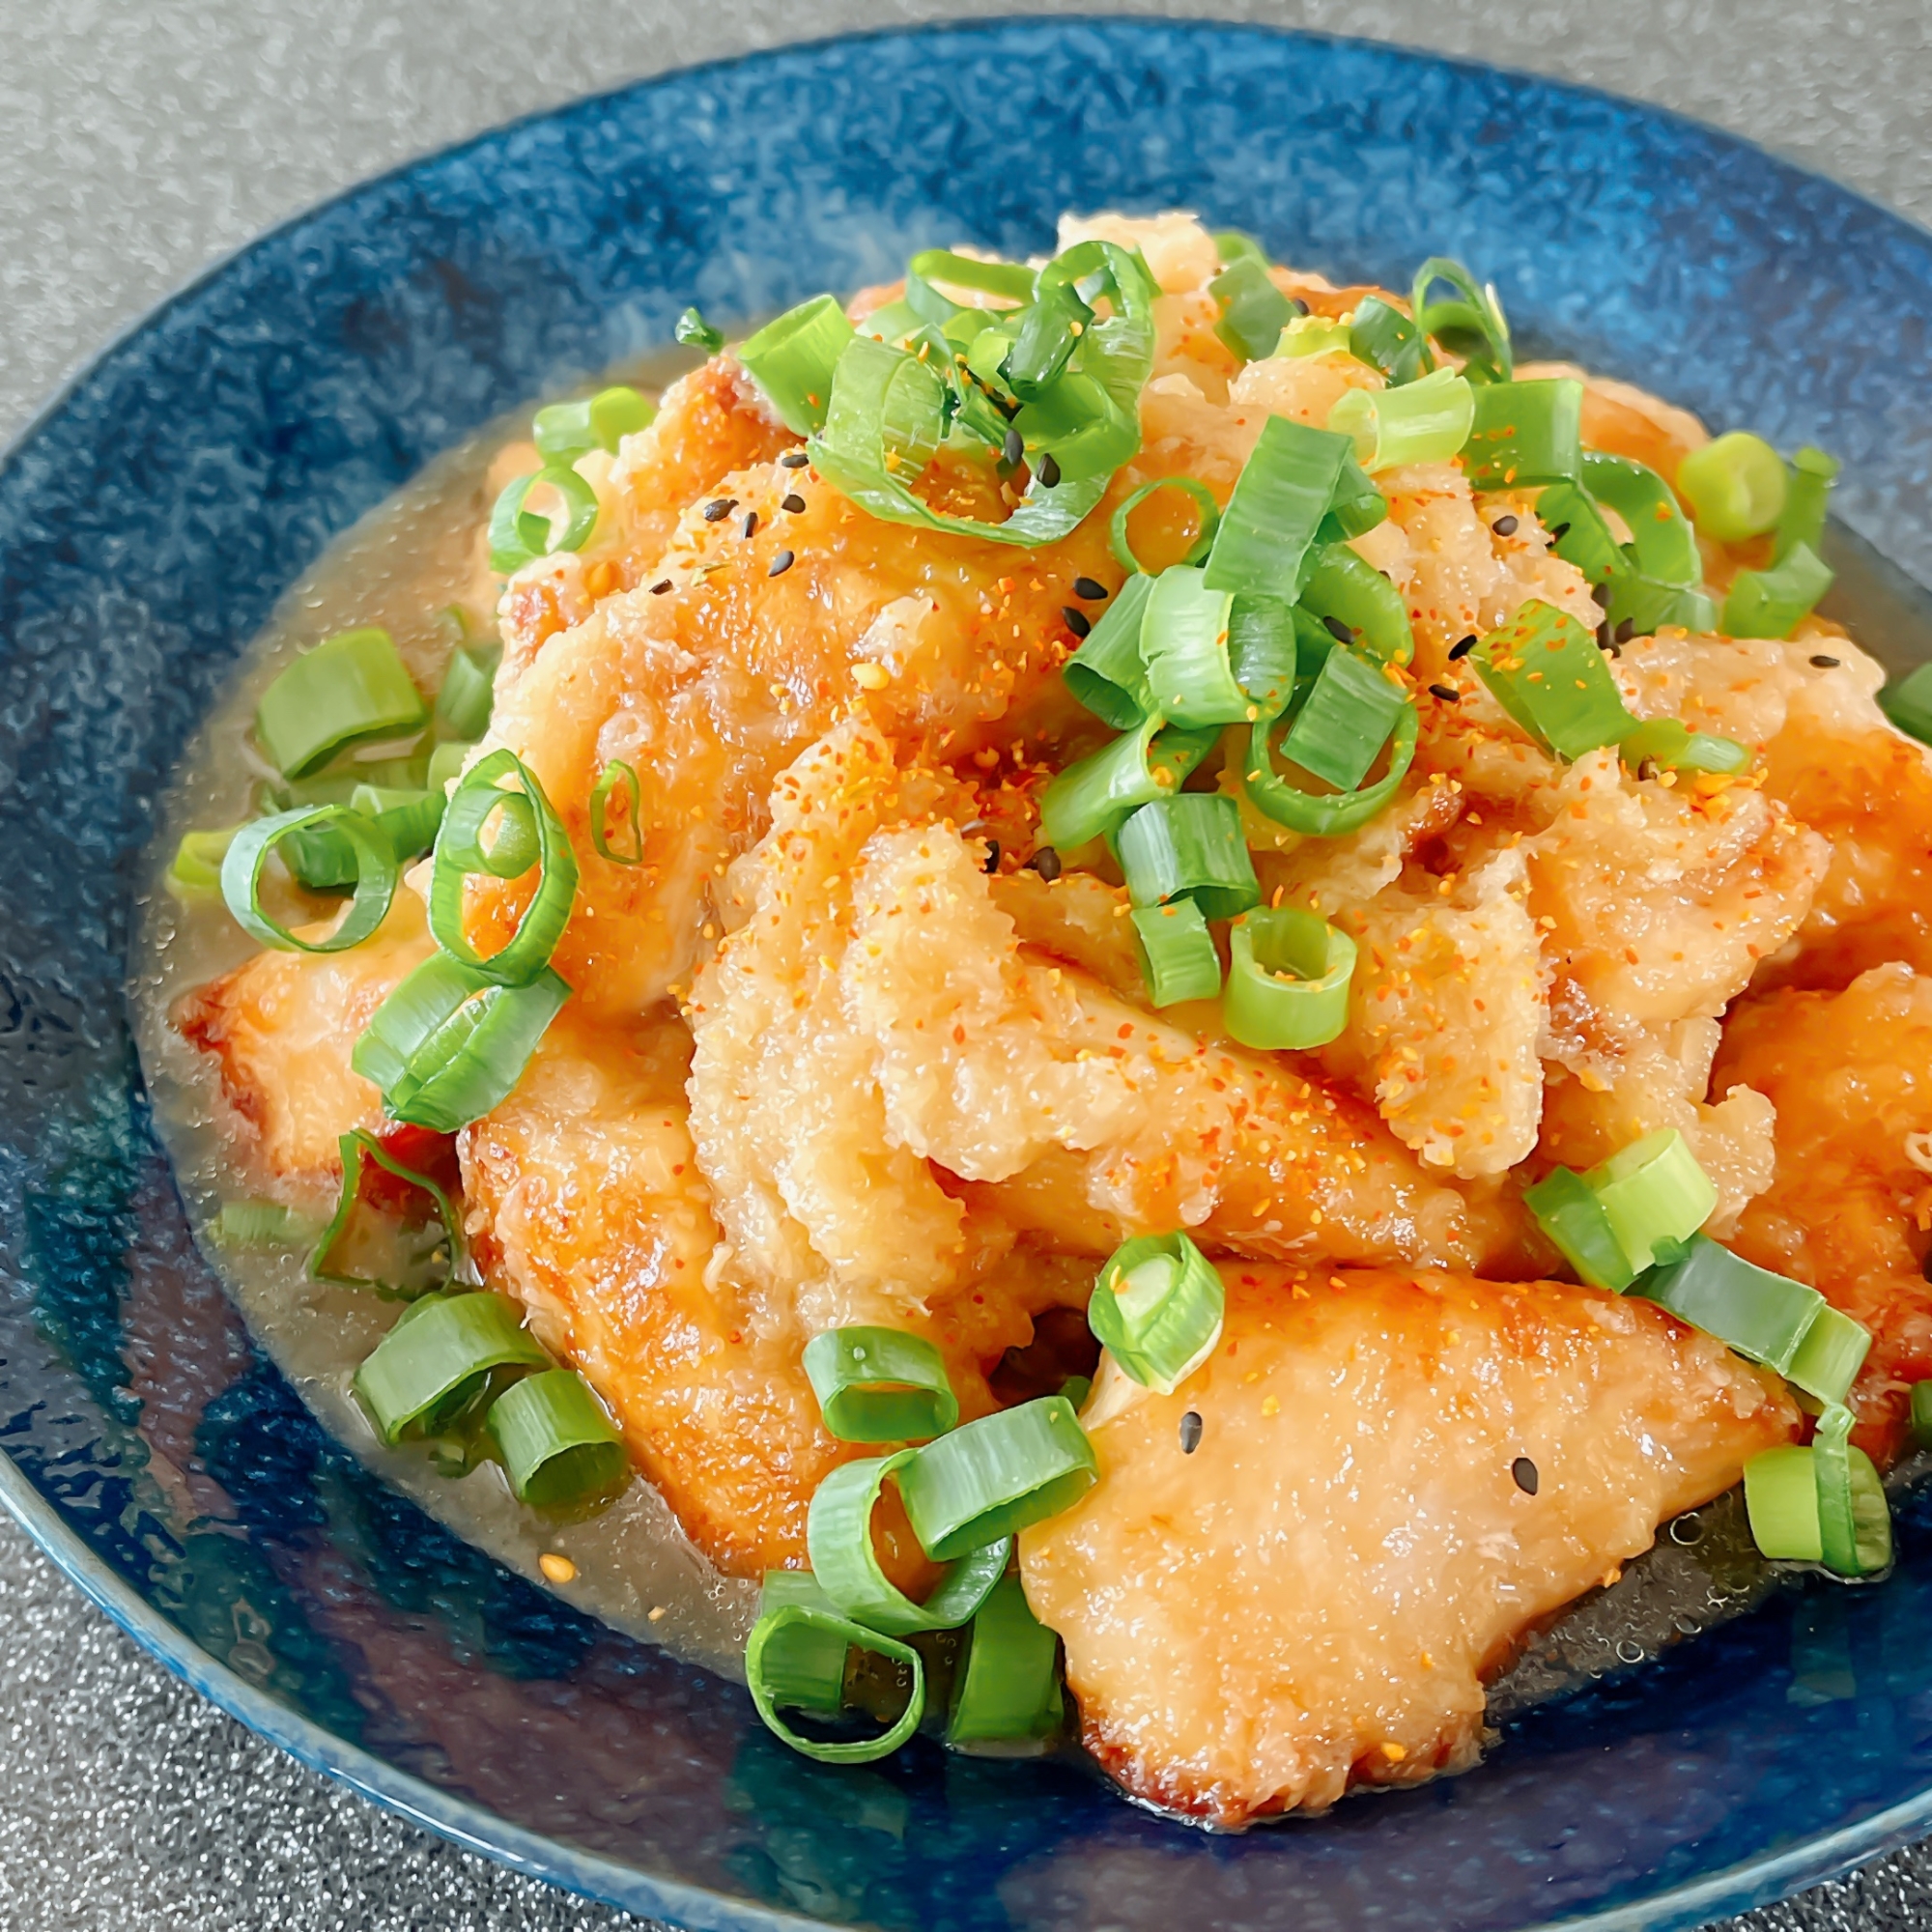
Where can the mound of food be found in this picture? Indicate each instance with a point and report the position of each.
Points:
(1156, 975)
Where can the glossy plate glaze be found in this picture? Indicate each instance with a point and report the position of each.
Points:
(149, 522)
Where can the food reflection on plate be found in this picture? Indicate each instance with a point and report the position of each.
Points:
(1122, 1000)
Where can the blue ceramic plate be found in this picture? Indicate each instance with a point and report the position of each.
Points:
(149, 520)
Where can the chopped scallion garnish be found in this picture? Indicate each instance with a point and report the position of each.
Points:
(1386, 339)
(880, 1385)
(1735, 486)
(1347, 588)
(519, 535)
(559, 1446)
(1665, 742)
(438, 1360)
(1107, 674)
(694, 333)
(1807, 498)
(1156, 1308)
(356, 1149)
(793, 360)
(1907, 702)
(562, 432)
(795, 1660)
(1769, 603)
(1470, 324)
(1010, 1685)
(1189, 847)
(1184, 645)
(351, 687)
(1526, 433)
(1317, 814)
(1288, 979)
(463, 704)
(615, 775)
(1178, 956)
(1253, 312)
(1544, 669)
(248, 854)
(1424, 421)
(1275, 512)
(992, 1477)
(1092, 796)
(1345, 720)
(1207, 517)
(1854, 1519)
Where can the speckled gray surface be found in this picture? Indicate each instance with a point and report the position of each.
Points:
(139, 144)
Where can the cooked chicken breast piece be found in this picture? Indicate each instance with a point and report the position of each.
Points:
(1850, 1203)
(282, 1026)
(1395, 1477)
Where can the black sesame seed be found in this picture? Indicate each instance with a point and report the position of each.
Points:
(1300, 307)
(781, 563)
(1524, 1472)
(992, 855)
(1046, 863)
(659, 589)
(1599, 594)
(1504, 526)
(1824, 663)
(1625, 630)
(751, 523)
(1561, 531)
(1605, 641)
(1076, 621)
(794, 459)
(1339, 631)
(1085, 587)
(1463, 648)
(1443, 692)
(1190, 1432)
(718, 508)
(1048, 473)
(793, 504)
(1013, 448)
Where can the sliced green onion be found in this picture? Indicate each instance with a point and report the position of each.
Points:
(480, 795)
(788, 1666)
(1808, 498)
(880, 1385)
(1526, 433)
(447, 1047)
(1344, 587)
(1830, 1357)
(1010, 281)
(1654, 1192)
(1279, 499)
(195, 870)
(1386, 339)
(469, 693)
(1666, 741)
(564, 431)
(1009, 1686)
(261, 1224)
(794, 358)
(1782, 1504)
(1769, 602)
(519, 536)
(1424, 421)
(1189, 847)
(1470, 324)
(1178, 956)
(1648, 605)
(1184, 645)
(838, 1532)
(408, 819)
(349, 687)
(438, 1359)
(248, 855)
(1580, 534)
(1230, 245)
(616, 773)
(356, 1149)
(1253, 312)
(1764, 1317)
(1048, 334)
(989, 1479)
(1735, 486)
(1544, 669)
(693, 330)
(1208, 522)
(1314, 814)
(1092, 796)
(1355, 507)
(1288, 981)
(1568, 1209)
(1157, 1307)
(445, 763)
(1907, 702)
(1315, 335)
(557, 1444)
(1262, 651)
(1345, 720)
(1854, 1520)
(1106, 673)
(1921, 1414)
(1662, 544)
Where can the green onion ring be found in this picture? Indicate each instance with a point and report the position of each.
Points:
(1323, 818)
(1204, 537)
(1275, 1013)
(766, 1680)
(434, 1362)
(1009, 1686)
(1158, 1308)
(376, 873)
(880, 1385)
(358, 1149)
(616, 772)
(519, 536)
(991, 1478)
(559, 1446)
(1782, 1504)
(479, 794)
(1854, 1522)
(839, 1533)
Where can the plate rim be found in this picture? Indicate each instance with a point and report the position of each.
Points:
(471, 1826)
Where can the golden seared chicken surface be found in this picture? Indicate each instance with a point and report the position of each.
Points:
(1137, 958)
